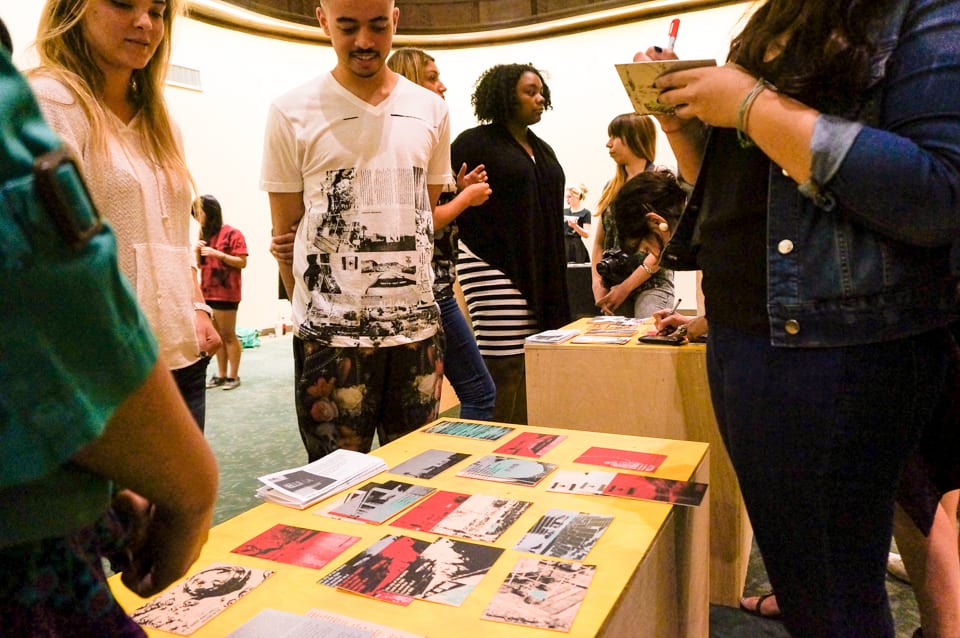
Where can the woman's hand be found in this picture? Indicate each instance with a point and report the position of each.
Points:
(713, 95)
(610, 302)
(477, 176)
(668, 123)
(210, 251)
(170, 546)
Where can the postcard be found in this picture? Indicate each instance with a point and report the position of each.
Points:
(446, 571)
(428, 464)
(580, 482)
(272, 623)
(622, 459)
(188, 605)
(552, 336)
(297, 546)
(481, 518)
(563, 534)
(469, 430)
(424, 516)
(541, 593)
(370, 571)
(530, 444)
(504, 469)
(650, 488)
(638, 78)
(376, 502)
(602, 339)
(379, 631)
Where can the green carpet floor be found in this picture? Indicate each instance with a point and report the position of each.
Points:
(253, 431)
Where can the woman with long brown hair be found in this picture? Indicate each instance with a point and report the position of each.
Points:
(826, 156)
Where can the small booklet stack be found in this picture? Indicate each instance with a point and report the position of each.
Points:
(301, 487)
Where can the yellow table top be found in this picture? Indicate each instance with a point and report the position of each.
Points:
(295, 589)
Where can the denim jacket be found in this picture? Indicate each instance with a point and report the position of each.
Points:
(862, 251)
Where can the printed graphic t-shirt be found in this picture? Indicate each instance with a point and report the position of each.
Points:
(219, 281)
(361, 260)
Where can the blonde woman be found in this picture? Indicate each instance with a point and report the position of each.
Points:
(100, 85)
(462, 362)
(632, 144)
(576, 228)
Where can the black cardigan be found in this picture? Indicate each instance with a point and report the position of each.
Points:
(516, 230)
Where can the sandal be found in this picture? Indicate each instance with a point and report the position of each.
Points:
(757, 609)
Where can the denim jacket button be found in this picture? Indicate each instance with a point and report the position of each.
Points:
(785, 247)
(792, 327)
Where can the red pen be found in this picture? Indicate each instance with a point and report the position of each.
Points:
(672, 34)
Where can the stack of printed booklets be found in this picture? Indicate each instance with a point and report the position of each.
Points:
(303, 486)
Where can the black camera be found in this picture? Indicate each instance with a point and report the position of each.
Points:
(616, 265)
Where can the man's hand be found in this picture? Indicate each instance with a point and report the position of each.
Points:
(281, 246)
(476, 194)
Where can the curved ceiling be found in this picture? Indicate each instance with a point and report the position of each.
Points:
(446, 23)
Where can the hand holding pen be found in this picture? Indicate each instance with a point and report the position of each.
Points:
(658, 52)
(667, 321)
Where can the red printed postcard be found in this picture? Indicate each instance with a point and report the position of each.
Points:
(370, 571)
(297, 546)
(530, 444)
(471, 516)
(650, 488)
(398, 569)
(445, 572)
(425, 516)
(622, 459)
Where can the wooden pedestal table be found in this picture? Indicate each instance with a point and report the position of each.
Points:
(646, 390)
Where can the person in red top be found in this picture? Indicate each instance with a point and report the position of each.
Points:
(221, 255)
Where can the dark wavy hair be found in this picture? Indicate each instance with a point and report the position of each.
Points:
(656, 191)
(824, 46)
(494, 96)
(212, 216)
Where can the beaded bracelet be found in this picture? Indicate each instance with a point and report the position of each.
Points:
(744, 111)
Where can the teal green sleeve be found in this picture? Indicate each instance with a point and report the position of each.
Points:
(73, 343)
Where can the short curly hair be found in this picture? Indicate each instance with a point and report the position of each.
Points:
(494, 96)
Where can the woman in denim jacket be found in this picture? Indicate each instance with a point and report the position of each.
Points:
(826, 163)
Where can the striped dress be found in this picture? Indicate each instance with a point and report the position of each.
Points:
(500, 316)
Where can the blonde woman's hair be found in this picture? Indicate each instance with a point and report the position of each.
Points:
(580, 191)
(640, 135)
(409, 63)
(65, 55)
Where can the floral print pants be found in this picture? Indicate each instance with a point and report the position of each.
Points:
(344, 395)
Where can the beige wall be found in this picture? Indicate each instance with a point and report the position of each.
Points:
(240, 73)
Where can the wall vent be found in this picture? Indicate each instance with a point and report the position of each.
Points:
(184, 77)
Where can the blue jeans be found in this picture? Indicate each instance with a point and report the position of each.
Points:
(192, 382)
(463, 365)
(818, 437)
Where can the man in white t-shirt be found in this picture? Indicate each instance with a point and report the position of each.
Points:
(355, 160)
